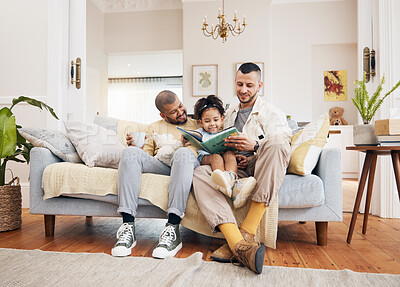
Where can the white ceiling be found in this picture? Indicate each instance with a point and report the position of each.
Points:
(112, 6)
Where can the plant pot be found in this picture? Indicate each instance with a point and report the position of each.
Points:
(364, 135)
(10, 206)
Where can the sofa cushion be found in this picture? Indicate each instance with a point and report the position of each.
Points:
(307, 145)
(106, 122)
(119, 126)
(95, 145)
(301, 191)
(57, 142)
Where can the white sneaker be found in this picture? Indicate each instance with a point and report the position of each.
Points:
(224, 180)
(242, 190)
(126, 240)
(169, 243)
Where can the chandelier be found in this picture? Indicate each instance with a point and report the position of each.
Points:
(223, 28)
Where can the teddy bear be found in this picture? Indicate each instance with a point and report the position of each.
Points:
(336, 118)
(167, 145)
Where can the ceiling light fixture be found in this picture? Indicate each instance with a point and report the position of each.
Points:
(223, 28)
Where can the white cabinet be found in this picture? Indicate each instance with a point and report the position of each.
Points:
(349, 158)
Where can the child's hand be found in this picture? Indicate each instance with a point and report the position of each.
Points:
(241, 161)
(184, 141)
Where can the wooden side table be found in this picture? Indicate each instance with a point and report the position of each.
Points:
(369, 167)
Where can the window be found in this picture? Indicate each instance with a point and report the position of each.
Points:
(132, 99)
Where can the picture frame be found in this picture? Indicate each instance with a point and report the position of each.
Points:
(205, 80)
(261, 65)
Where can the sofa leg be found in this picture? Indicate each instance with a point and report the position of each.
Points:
(49, 222)
(322, 233)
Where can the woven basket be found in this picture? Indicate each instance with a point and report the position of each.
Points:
(10, 205)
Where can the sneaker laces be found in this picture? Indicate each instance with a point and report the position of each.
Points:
(168, 235)
(241, 254)
(125, 233)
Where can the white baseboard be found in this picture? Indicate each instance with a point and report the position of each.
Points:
(350, 175)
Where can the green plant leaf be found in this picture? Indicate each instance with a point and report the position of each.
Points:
(35, 103)
(365, 105)
(8, 133)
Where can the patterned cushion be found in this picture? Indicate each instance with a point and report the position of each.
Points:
(55, 141)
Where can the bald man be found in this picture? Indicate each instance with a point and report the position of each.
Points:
(135, 161)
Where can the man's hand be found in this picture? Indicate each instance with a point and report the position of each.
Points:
(242, 162)
(129, 140)
(240, 142)
(184, 141)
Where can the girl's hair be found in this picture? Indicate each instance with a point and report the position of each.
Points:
(204, 104)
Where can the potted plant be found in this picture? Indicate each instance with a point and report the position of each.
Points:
(13, 147)
(367, 106)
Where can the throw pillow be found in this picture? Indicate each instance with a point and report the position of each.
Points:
(55, 141)
(307, 145)
(96, 145)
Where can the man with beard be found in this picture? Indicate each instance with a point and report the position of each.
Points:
(135, 161)
(264, 152)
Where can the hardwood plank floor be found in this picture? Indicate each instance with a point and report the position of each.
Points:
(378, 251)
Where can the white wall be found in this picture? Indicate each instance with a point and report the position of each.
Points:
(327, 58)
(252, 45)
(23, 68)
(143, 31)
(149, 64)
(96, 61)
(295, 30)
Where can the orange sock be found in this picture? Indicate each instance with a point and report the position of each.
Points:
(231, 233)
(253, 218)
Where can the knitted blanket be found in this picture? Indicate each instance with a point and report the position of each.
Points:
(71, 178)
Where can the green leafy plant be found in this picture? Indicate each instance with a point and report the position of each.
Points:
(367, 106)
(12, 144)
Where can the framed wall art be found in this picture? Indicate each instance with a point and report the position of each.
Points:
(261, 65)
(335, 85)
(205, 80)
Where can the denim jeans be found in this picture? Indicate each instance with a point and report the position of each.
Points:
(135, 161)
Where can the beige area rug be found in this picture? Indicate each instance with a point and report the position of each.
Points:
(43, 268)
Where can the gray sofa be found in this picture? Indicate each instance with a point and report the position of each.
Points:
(316, 197)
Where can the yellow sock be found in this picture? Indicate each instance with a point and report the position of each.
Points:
(253, 218)
(231, 233)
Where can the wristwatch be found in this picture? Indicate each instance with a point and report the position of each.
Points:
(256, 146)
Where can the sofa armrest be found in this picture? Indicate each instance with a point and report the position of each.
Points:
(329, 169)
(39, 159)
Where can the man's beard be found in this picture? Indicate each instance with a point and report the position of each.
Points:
(249, 100)
(176, 121)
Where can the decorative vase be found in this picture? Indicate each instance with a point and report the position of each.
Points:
(364, 135)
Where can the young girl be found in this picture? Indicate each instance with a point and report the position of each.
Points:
(210, 114)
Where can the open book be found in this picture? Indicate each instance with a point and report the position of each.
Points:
(214, 144)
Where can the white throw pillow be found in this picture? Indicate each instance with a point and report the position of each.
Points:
(95, 145)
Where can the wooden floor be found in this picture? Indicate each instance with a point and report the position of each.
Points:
(377, 252)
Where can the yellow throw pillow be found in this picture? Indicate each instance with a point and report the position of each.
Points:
(307, 145)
